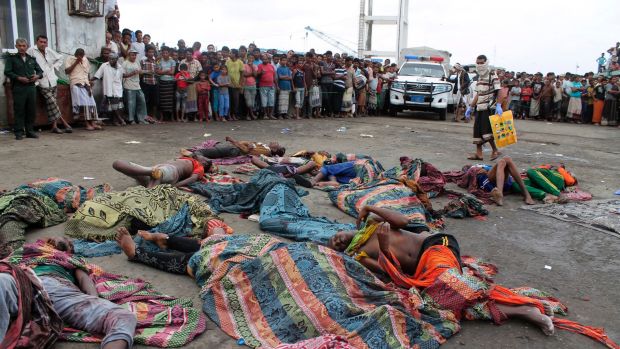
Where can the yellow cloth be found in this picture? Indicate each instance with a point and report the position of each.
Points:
(235, 70)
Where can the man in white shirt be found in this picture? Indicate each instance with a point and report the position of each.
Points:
(110, 44)
(112, 75)
(49, 61)
(139, 45)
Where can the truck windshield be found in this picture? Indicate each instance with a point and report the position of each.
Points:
(418, 69)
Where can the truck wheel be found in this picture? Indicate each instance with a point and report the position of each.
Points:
(443, 113)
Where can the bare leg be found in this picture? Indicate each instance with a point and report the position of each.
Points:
(119, 344)
(496, 153)
(126, 242)
(319, 177)
(160, 239)
(139, 173)
(259, 163)
(307, 168)
(512, 170)
(531, 314)
(153, 182)
(498, 176)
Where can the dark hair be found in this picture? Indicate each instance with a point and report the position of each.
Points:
(165, 48)
(280, 151)
(149, 47)
(234, 52)
(79, 51)
(182, 66)
(138, 31)
(41, 36)
(309, 54)
(328, 52)
(256, 49)
(225, 48)
(482, 57)
(190, 51)
(243, 48)
(145, 35)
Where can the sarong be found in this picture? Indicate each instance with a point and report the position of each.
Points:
(99, 218)
(574, 108)
(535, 107)
(84, 105)
(361, 98)
(597, 115)
(610, 112)
(372, 99)
(347, 100)
(191, 103)
(283, 101)
(111, 104)
(315, 97)
(482, 127)
(166, 96)
(51, 106)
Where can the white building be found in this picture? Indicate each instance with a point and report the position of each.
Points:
(68, 24)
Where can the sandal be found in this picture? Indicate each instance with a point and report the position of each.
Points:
(68, 130)
(496, 155)
(57, 130)
(475, 157)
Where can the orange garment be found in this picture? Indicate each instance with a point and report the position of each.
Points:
(197, 167)
(598, 111)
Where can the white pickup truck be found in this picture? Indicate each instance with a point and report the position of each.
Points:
(421, 85)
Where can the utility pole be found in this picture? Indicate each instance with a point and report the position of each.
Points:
(367, 20)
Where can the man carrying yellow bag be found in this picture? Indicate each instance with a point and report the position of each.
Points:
(485, 99)
(503, 127)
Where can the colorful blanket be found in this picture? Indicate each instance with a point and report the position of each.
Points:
(98, 219)
(284, 214)
(242, 197)
(68, 196)
(163, 321)
(271, 294)
(20, 209)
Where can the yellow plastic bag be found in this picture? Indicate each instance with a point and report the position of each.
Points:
(504, 130)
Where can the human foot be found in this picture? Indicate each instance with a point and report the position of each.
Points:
(126, 243)
(497, 196)
(475, 157)
(529, 201)
(495, 155)
(161, 240)
(533, 315)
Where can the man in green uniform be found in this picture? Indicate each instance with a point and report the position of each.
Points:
(23, 71)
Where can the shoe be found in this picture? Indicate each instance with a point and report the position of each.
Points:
(32, 135)
(57, 131)
(19, 137)
(68, 130)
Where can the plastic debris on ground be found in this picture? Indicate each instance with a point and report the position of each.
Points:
(206, 135)
(285, 131)
(548, 267)
(617, 192)
(88, 178)
(341, 129)
(363, 135)
(254, 218)
(133, 142)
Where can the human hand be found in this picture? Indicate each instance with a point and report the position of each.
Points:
(361, 217)
(383, 235)
(468, 113)
(23, 79)
(498, 109)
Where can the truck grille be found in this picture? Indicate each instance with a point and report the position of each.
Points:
(418, 87)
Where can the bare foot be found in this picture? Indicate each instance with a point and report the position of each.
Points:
(160, 239)
(529, 201)
(126, 242)
(543, 321)
(497, 196)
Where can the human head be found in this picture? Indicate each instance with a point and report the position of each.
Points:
(210, 48)
(224, 70)
(265, 58)
(234, 54)
(41, 42)
(165, 52)
(225, 52)
(283, 61)
(174, 54)
(149, 51)
(603, 54)
(118, 36)
(60, 243)
(387, 62)
(108, 37)
(132, 55)
(202, 75)
(216, 67)
(113, 59)
(341, 240)
(256, 53)
(189, 55)
(348, 61)
(104, 54)
(21, 45)
(146, 39)
(126, 38)
(206, 163)
(138, 35)
(196, 46)
(181, 44)
(243, 51)
(79, 53)
(276, 59)
(277, 149)
(482, 65)
(328, 56)
(183, 66)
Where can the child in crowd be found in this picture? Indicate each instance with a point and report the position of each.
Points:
(215, 91)
(182, 78)
(299, 87)
(502, 96)
(526, 98)
(515, 99)
(557, 100)
(223, 81)
(202, 89)
(284, 84)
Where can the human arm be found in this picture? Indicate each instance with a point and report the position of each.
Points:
(10, 73)
(189, 180)
(396, 219)
(85, 283)
(75, 63)
(372, 265)
(245, 149)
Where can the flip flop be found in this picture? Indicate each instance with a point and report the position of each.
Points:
(474, 157)
(498, 154)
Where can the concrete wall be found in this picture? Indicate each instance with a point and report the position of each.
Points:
(67, 33)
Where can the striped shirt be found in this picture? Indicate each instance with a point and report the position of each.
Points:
(340, 84)
(486, 88)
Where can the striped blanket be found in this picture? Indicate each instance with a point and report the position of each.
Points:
(163, 321)
(269, 293)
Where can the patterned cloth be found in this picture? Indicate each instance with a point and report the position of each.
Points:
(49, 96)
(271, 293)
(163, 321)
(22, 208)
(68, 196)
(328, 341)
(284, 214)
(99, 218)
(84, 105)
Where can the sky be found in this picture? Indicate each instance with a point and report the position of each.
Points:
(526, 35)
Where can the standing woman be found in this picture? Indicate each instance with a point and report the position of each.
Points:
(84, 106)
(165, 70)
(599, 100)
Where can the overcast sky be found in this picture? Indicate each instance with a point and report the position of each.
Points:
(530, 35)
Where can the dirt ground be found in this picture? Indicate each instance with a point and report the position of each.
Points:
(584, 262)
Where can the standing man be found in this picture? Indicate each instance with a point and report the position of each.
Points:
(109, 43)
(485, 99)
(139, 45)
(136, 105)
(149, 81)
(165, 69)
(266, 85)
(235, 70)
(24, 71)
(49, 61)
(112, 75)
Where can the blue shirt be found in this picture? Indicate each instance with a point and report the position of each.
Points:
(214, 75)
(577, 94)
(284, 84)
